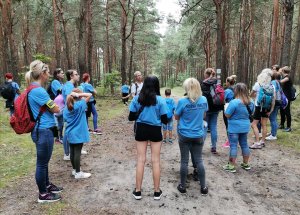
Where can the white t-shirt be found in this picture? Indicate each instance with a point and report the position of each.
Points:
(256, 88)
(133, 89)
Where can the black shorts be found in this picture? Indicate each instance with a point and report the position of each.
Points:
(145, 132)
(259, 113)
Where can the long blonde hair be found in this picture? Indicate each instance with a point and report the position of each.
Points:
(192, 89)
(265, 77)
(241, 92)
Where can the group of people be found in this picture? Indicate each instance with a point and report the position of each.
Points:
(198, 111)
(68, 104)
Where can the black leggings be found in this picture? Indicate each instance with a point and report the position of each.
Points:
(286, 113)
(124, 95)
(75, 154)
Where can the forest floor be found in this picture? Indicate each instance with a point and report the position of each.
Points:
(272, 186)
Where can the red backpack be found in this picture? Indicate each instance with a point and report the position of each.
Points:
(22, 121)
(218, 94)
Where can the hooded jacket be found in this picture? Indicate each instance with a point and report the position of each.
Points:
(205, 87)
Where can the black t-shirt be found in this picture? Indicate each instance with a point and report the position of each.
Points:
(287, 87)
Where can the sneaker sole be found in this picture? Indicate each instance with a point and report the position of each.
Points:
(232, 171)
(204, 194)
(157, 197)
(48, 201)
(56, 192)
(137, 197)
(247, 169)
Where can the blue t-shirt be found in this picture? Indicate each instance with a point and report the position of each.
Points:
(125, 88)
(88, 88)
(55, 86)
(67, 89)
(150, 115)
(238, 122)
(191, 115)
(76, 129)
(38, 97)
(229, 95)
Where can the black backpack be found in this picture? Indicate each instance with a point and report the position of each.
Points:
(7, 91)
(49, 91)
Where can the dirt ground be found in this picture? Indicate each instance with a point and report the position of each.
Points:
(272, 186)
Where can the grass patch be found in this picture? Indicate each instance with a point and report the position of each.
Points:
(17, 152)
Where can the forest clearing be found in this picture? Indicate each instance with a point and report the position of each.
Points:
(104, 43)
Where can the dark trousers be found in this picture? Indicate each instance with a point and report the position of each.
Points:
(286, 113)
(75, 154)
(124, 95)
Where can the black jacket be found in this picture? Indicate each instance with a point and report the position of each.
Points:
(205, 87)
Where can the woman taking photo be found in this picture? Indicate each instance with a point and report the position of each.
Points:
(43, 135)
(190, 113)
(149, 110)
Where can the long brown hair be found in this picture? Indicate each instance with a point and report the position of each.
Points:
(241, 92)
(210, 72)
(71, 99)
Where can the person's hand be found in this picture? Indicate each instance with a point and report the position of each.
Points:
(75, 95)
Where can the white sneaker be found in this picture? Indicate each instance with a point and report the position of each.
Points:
(73, 172)
(83, 152)
(271, 137)
(256, 146)
(79, 175)
(66, 157)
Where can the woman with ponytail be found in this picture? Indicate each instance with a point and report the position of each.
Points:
(228, 95)
(77, 130)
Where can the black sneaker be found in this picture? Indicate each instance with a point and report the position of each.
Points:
(195, 175)
(281, 127)
(137, 195)
(181, 189)
(49, 197)
(204, 191)
(54, 189)
(287, 129)
(157, 195)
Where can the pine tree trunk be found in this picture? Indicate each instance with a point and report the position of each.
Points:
(56, 36)
(274, 39)
(288, 8)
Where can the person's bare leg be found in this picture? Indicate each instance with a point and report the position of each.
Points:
(264, 128)
(155, 157)
(170, 135)
(255, 130)
(165, 134)
(141, 147)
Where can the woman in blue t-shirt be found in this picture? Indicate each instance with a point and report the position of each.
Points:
(43, 133)
(77, 130)
(190, 112)
(91, 108)
(228, 96)
(149, 110)
(238, 113)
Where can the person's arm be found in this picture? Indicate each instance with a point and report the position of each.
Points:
(85, 96)
(52, 107)
(286, 79)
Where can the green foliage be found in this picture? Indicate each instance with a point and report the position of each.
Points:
(42, 57)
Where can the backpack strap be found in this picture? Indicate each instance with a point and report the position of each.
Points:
(250, 113)
(136, 88)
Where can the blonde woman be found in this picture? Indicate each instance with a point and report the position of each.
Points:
(238, 113)
(43, 135)
(190, 113)
(262, 89)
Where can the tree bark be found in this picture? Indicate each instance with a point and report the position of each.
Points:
(296, 50)
(56, 35)
(274, 39)
(288, 8)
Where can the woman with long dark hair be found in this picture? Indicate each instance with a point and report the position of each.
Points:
(149, 110)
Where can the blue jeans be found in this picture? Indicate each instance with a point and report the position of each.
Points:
(273, 121)
(66, 145)
(168, 126)
(195, 146)
(44, 147)
(59, 119)
(240, 138)
(212, 119)
(95, 116)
